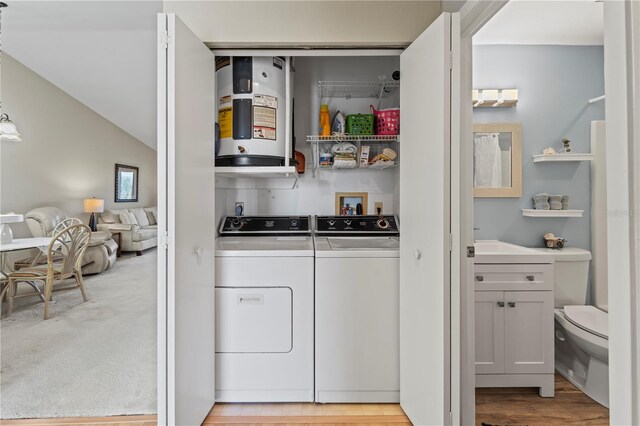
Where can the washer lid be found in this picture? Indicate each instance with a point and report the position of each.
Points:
(589, 318)
(264, 247)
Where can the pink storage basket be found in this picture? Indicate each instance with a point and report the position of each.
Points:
(387, 121)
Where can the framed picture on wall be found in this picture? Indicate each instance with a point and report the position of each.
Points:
(351, 203)
(126, 184)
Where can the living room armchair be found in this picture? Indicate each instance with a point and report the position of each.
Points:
(100, 254)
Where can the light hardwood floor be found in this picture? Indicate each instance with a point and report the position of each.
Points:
(494, 406)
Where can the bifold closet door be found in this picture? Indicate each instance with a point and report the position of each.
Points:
(186, 225)
(425, 215)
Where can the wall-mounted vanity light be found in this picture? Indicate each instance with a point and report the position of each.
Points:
(500, 98)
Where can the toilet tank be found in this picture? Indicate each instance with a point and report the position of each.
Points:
(571, 275)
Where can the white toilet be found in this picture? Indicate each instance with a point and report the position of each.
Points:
(581, 331)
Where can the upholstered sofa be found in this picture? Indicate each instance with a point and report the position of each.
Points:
(99, 256)
(138, 227)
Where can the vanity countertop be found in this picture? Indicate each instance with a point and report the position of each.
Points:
(494, 251)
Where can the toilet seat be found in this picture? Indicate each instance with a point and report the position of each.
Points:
(589, 318)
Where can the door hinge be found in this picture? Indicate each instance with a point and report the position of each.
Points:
(164, 39)
(164, 240)
(450, 60)
(471, 251)
(450, 242)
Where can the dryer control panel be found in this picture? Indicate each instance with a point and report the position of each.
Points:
(265, 225)
(357, 225)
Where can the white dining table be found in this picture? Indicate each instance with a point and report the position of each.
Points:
(41, 243)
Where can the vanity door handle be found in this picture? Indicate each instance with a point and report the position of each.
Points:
(512, 304)
(479, 278)
(501, 304)
(530, 278)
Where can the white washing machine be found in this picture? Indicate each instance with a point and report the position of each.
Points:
(264, 310)
(357, 300)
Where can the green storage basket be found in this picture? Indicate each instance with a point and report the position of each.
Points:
(360, 124)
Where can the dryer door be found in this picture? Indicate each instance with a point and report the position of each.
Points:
(254, 319)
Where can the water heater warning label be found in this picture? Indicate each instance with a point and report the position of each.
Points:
(225, 121)
(264, 122)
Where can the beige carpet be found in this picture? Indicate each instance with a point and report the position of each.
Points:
(88, 359)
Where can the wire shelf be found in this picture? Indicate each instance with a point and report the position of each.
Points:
(353, 138)
(357, 89)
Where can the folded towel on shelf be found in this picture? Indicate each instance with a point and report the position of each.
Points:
(344, 163)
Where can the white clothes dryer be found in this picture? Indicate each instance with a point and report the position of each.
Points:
(264, 310)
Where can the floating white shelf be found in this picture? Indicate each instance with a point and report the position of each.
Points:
(357, 89)
(256, 177)
(541, 158)
(552, 213)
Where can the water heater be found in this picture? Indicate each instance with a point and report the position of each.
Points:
(251, 97)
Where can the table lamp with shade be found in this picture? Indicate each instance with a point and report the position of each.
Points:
(93, 205)
(6, 236)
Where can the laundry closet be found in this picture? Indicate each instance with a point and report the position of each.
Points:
(243, 178)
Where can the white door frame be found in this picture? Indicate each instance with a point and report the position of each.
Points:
(622, 75)
(473, 15)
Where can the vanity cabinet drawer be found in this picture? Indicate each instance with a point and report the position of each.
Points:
(513, 277)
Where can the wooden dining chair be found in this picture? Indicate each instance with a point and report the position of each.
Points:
(40, 258)
(64, 261)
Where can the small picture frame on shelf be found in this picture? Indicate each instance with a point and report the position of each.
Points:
(351, 203)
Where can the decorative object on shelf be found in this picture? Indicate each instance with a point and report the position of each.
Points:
(347, 203)
(126, 183)
(566, 148)
(338, 124)
(502, 98)
(8, 131)
(555, 202)
(541, 201)
(565, 202)
(553, 242)
(93, 205)
(387, 121)
(549, 151)
(6, 235)
(360, 124)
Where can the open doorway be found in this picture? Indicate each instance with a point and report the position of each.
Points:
(75, 84)
(538, 75)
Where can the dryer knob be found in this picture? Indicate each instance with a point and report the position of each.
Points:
(382, 223)
(347, 222)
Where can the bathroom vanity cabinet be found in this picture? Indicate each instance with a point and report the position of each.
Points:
(514, 326)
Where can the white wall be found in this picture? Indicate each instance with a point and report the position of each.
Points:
(317, 196)
(317, 23)
(68, 152)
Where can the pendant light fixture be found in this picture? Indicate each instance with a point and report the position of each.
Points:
(8, 131)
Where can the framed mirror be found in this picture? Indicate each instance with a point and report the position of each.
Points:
(126, 184)
(497, 160)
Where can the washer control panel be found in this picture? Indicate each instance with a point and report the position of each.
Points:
(357, 225)
(265, 225)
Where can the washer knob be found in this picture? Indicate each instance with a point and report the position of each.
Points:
(331, 222)
(347, 222)
(236, 223)
(382, 223)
